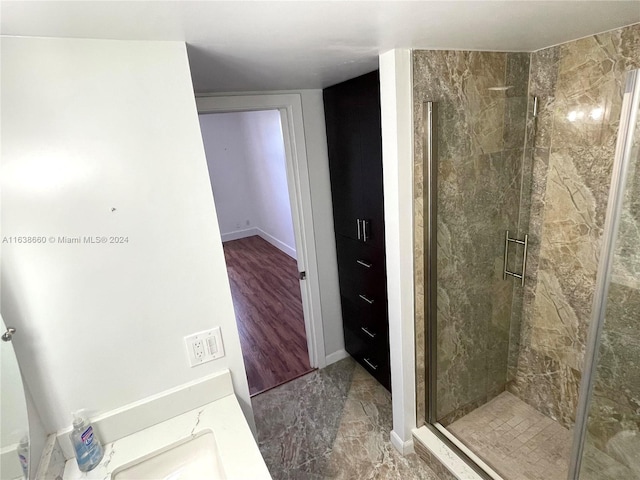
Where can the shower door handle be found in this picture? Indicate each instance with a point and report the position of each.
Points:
(525, 244)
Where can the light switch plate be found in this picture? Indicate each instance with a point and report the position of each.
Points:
(203, 347)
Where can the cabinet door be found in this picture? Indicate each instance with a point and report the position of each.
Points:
(371, 159)
(344, 158)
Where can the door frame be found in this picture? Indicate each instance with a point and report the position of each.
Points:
(290, 108)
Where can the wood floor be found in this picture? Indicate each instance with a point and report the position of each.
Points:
(268, 305)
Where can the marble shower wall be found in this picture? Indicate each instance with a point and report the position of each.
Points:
(579, 85)
(480, 152)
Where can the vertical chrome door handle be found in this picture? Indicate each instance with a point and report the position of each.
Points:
(525, 245)
(364, 230)
(359, 231)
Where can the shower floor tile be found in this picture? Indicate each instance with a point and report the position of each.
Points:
(520, 443)
(517, 441)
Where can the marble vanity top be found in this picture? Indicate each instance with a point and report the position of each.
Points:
(237, 450)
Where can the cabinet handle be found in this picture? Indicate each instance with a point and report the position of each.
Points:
(368, 300)
(372, 335)
(364, 264)
(359, 231)
(364, 230)
(375, 367)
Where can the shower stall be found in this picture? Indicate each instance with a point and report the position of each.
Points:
(527, 259)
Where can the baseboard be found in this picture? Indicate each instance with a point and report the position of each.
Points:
(405, 448)
(276, 243)
(238, 234)
(336, 356)
(250, 232)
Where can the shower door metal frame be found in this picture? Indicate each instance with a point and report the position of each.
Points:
(622, 159)
(430, 222)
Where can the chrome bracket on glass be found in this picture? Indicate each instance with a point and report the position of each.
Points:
(525, 244)
(8, 335)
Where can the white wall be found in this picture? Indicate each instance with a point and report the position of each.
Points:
(224, 144)
(318, 161)
(14, 422)
(397, 165)
(246, 159)
(89, 126)
(37, 434)
(267, 167)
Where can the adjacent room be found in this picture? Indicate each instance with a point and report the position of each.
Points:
(247, 168)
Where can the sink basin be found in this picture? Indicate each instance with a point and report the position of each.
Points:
(194, 458)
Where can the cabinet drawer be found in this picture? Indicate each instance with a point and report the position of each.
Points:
(373, 356)
(370, 323)
(361, 269)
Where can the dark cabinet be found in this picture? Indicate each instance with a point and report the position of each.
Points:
(352, 113)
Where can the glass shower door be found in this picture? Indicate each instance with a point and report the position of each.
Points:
(612, 440)
(474, 141)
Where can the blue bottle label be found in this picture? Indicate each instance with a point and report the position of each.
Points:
(87, 436)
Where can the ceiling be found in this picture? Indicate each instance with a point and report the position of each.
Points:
(267, 45)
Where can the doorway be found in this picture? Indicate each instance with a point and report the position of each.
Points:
(247, 164)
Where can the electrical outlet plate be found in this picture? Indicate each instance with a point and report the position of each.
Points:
(203, 347)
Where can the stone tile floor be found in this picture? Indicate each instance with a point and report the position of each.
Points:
(332, 424)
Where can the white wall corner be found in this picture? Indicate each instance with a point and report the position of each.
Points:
(404, 447)
(280, 245)
(238, 234)
(397, 161)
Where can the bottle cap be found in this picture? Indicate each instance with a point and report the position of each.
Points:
(78, 417)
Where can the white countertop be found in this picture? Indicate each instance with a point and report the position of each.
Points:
(236, 446)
